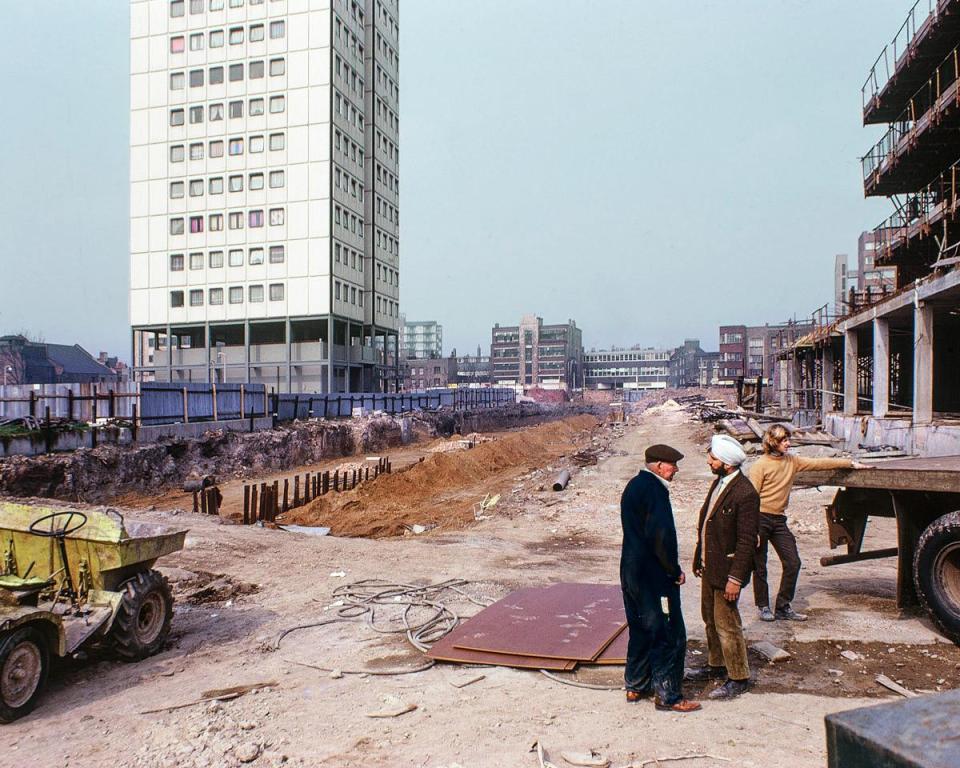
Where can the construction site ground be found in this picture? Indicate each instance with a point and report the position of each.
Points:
(239, 587)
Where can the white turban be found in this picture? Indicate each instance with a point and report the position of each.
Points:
(728, 450)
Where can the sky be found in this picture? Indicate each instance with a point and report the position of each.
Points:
(651, 170)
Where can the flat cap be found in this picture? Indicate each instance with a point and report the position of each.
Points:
(660, 452)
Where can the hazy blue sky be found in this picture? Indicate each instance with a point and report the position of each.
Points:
(651, 170)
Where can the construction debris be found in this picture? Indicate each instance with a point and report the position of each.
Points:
(770, 652)
(886, 682)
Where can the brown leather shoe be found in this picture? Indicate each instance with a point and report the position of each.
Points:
(683, 706)
(634, 696)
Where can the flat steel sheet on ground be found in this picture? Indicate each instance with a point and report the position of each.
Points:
(446, 650)
(562, 621)
(616, 652)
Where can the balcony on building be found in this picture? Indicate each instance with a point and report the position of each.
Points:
(926, 36)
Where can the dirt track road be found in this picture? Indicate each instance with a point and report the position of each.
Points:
(89, 716)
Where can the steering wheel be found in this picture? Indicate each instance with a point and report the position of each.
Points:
(66, 529)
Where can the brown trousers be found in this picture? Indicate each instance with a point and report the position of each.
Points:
(726, 646)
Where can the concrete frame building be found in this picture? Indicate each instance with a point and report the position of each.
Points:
(532, 354)
(889, 373)
(751, 351)
(264, 192)
(634, 368)
(421, 339)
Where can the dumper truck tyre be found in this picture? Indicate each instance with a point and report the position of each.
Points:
(24, 665)
(936, 573)
(143, 619)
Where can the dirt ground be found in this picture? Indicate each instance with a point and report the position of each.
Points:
(240, 587)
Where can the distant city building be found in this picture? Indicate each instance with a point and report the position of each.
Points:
(30, 362)
(843, 280)
(421, 339)
(685, 364)
(708, 369)
(470, 370)
(426, 373)
(870, 276)
(750, 351)
(634, 368)
(532, 354)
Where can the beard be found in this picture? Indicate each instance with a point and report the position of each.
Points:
(720, 471)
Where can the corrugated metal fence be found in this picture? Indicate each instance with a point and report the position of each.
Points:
(165, 403)
(341, 405)
(78, 402)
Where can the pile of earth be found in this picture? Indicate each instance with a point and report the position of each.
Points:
(443, 489)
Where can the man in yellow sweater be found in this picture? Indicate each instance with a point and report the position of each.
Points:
(772, 475)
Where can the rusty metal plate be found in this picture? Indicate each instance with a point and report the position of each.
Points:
(616, 652)
(562, 621)
(445, 650)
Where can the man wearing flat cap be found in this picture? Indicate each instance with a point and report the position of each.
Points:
(650, 577)
(724, 559)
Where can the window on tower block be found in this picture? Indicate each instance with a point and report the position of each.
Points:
(176, 44)
(176, 298)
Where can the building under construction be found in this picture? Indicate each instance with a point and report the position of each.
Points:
(887, 372)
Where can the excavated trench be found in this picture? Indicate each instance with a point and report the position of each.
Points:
(100, 474)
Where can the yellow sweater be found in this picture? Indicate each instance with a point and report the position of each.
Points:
(772, 476)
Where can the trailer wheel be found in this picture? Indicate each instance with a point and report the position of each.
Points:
(143, 620)
(24, 664)
(936, 573)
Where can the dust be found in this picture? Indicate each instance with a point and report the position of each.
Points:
(443, 488)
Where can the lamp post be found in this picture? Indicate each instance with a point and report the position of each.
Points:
(6, 369)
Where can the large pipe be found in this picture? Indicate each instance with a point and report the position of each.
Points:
(561, 480)
(875, 554)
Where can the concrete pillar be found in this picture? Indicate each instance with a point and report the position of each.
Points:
(782, 393)
(289, 356)
(246, 348)
(850, 372)
(206, 346)
(922, 364)
(826, 384)
(881, 367)
(798, 399)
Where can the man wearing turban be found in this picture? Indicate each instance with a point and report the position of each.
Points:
(724, 558)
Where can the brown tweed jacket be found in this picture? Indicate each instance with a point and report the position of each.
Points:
(728, 548)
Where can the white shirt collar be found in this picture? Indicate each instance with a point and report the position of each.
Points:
(665, 483)
(725, 480)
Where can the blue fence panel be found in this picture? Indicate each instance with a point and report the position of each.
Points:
(341, 405)
(163, 403)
